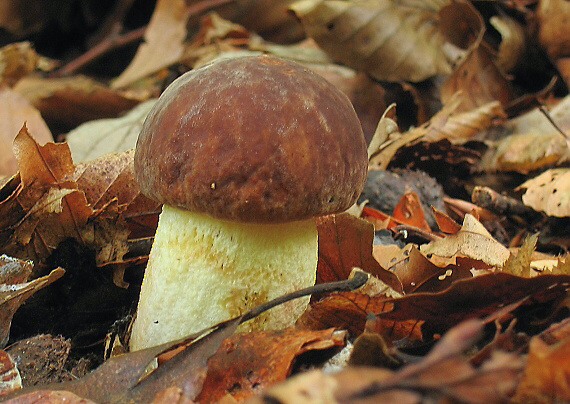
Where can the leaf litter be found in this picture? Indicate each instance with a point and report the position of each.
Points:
(461, 313)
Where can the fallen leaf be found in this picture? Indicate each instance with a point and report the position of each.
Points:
(444, 373)
(96, 138)
(445, 223)
(546, 375)
(388, 40)
(473, 241)
(525, 152)
(479, 80)
(15, 110)
(13, 295)
(467, 298)
(121, 378)
(520, 263)
(240, 367)
(409, 210)
(164, 40)
(67, 102)
(48, 208)
(554, 29)
(345, 242)
(418, 274)
(549, 192)
(50, 396)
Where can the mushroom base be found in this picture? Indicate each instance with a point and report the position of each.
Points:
(202, 271)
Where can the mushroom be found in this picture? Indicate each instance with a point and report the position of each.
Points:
(243, 154)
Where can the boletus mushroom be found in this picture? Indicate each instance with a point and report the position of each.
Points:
(243, 154)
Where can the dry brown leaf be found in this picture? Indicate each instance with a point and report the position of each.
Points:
(345, 242)
(418, 274)
(461, 127)
(549, 192)
(96, 138)
(164, 42)
(13, 295)
(446, 125)
(473, 241)
(391, 41)
(16, 61)
(520, 263)
(67, 102)
(445, 223)
(22, 18)
(478, 79)
(15, 110)
(45, 208)
(546, 375)
(240, 367)
(443, 375)
(268, 18)
(123, 378)
(526, 152)
(110, 187)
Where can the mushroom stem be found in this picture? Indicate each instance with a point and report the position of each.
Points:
(203, 270)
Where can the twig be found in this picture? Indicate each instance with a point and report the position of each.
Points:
(114, 40)
(110, 43)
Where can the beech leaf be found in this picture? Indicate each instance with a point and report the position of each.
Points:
(345, 242)
(390, 40)
(473, 241)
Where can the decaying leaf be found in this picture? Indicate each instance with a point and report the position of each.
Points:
(479, 80)
(444, 373)
(473, 241)
(96, 138)
(14, 289)
(345, 242)
(410, 211)
(391, 41)
(547, 373)
(526, 152)
(240, 367)
(97, 203)
(549, 192)
(520, 263)
(69, 101)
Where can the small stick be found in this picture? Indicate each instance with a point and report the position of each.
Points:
(109, 43)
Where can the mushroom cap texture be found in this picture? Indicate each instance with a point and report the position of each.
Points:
(252, 139)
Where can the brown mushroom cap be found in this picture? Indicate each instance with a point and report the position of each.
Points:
(253, 139)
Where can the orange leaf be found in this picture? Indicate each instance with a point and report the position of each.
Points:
(247, 363)
(409, 210)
